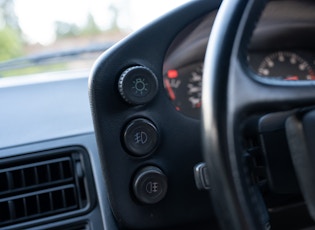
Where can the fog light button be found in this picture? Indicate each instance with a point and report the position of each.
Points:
(141, 137)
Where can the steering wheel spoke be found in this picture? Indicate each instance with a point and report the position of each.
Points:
(248, 92)
(300, 133)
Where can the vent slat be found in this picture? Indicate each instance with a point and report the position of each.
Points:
(30, 177)
(60, 164)
(63, 198)
(67, 169)
(4, 185)
(5, 211)
(18, 180)
(38, 204)
(57, 200)
(11, 210)
(51, 203)
(45, 202)
(42, 174)
(55, 171)
(38, 189)
(48, 173)
(36, 175)
(25, 207)
(71, 197)
(31, 204)
(19, 208)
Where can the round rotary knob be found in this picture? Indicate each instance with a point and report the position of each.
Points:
(138, 85)
(141, 137)
(150, 185)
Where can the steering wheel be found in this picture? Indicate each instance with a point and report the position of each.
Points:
(231, 93)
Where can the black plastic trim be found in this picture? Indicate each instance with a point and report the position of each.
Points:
(179, 148)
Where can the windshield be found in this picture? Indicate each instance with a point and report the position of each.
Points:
(52, 35)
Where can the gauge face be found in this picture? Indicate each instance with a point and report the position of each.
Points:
(183, 86)
(286, 66)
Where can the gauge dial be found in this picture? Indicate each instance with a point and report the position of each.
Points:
(286, 66)
(183, 86)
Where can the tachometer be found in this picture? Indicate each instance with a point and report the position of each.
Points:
(183, 86)
(287, 66)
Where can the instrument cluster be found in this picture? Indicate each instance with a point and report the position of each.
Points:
(183, 85)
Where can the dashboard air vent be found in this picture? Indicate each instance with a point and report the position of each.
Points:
(43, 184)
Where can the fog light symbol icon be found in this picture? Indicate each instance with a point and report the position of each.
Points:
(141, 138)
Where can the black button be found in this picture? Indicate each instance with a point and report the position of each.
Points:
(141, 137)
(150, 185)
(202, 176)
(137, 85)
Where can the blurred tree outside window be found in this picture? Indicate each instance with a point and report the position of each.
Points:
(14, 43)
(11, 43)
(31, 29)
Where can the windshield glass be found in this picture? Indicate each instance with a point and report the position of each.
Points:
(51, 35)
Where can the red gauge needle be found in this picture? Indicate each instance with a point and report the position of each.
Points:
(169, 89)
(198, 105)
(292, 78)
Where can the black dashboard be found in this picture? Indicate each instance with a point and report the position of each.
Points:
(47, 118)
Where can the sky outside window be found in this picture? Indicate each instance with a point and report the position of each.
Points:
(37, 17)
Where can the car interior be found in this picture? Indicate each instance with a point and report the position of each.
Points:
(202, 119)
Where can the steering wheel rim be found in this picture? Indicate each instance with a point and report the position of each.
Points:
(230, 93)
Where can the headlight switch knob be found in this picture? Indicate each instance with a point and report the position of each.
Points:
(137, 85)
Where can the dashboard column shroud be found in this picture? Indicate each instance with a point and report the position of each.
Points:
(179, 149)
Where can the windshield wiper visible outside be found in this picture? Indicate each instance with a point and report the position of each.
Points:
(78, 58)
